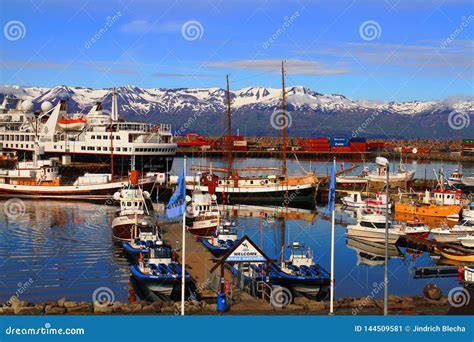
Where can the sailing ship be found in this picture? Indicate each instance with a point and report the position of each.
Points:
(95, 137)
(274, 188)
(133, 218)
(202, 214)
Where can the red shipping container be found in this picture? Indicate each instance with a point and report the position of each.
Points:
(341, 149)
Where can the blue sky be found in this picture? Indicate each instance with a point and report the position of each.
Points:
(392, 50)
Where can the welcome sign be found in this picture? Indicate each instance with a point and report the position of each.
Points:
(245, 251)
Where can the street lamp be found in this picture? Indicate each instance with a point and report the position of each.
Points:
(384, 162)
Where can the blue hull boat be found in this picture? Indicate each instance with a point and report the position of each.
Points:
(223, 239)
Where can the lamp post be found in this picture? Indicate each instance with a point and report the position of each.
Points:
(385, 297)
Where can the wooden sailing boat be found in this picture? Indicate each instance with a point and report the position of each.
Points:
(271, 188)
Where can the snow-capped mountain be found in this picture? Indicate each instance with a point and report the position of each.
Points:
(312, 113)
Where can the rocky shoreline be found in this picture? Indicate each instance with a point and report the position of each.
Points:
(407, 305)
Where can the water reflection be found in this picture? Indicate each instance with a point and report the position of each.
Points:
(68, 250)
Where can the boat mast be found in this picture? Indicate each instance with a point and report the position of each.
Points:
(229, 133)
(283, 114)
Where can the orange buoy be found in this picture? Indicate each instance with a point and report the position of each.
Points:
(134, 177)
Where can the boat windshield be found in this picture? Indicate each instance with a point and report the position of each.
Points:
(373, 224)
(161, 252)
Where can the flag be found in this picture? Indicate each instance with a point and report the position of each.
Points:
(332, 191)
(177, 204)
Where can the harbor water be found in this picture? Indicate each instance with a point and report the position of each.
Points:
(54, 249)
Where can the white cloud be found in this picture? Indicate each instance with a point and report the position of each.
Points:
(292, 66)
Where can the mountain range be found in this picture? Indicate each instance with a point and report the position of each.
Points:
(255, 111)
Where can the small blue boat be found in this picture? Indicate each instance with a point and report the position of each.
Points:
(301, 274)
(222, 240)
(159, 273)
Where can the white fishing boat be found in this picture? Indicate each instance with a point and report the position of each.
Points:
(372, 253)
(354, 200)
(455, 178)
(469, 210)
(133, 218)
(371, 227)
(202, 214)
(446, 234)
(380, 173)
(467, 241)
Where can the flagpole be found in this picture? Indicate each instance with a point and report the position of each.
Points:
(183, 266)
(331, 305)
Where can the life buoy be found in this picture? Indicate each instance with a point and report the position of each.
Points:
(262, 182)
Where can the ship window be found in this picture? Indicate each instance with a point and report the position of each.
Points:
(118, 148)
(251, 182)
(99, 137)
(92, 136)
(83, 148)
(16, 145)
(90, 148)
(117, 137)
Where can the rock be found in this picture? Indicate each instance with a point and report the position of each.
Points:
(54, 310)
(69, 304)
(6, 310)
(28, 310)
(301, 300)
(168, 309)
(157, 306)
(148, 309)
(362, 303)
(315, 306)
(61, 301)
(135, 307)
(105, 309)
(80, 309)
(432, 292)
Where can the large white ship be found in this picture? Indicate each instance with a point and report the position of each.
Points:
(91, 138)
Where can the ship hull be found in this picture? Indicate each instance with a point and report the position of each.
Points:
(269, 195)
(423, 210)
(79, 192)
